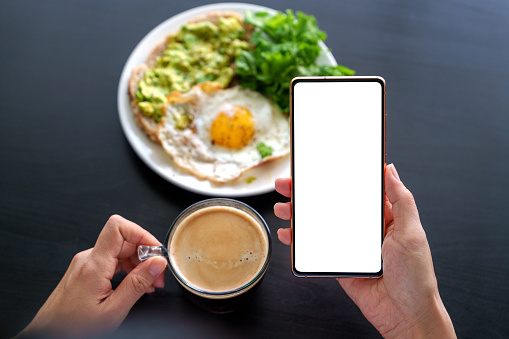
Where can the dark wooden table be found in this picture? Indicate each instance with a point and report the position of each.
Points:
(65, 165)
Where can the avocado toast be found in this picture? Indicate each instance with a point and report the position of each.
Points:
(203, 50)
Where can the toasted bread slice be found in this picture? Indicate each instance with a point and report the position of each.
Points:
(148, 125)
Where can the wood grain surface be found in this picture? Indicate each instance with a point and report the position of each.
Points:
(65, 165)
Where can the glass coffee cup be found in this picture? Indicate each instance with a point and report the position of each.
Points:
(218, 250)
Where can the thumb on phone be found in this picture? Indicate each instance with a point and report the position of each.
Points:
(404, 209)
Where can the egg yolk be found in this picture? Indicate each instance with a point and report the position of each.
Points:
(233, 130)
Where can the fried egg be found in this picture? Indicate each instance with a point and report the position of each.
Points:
(218, 134)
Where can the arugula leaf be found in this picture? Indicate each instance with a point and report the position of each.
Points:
(285, 46)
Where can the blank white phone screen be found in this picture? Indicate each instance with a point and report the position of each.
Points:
(337, 176)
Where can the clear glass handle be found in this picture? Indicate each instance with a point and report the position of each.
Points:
(145, 252)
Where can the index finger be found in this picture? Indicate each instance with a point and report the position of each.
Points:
(117, 230)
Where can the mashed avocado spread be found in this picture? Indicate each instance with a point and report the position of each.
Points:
(199, 52)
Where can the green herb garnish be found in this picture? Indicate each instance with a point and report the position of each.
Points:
(285, 46)
(264, 150)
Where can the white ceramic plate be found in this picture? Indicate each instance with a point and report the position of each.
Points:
(155, 157)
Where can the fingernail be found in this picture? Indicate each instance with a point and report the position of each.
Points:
(394, 172)
(157, 266)
(275, 209)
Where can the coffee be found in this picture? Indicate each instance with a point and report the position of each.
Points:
(218, 249)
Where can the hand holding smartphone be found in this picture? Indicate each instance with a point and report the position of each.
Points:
(338, 160)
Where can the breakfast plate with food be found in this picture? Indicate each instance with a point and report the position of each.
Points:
(203, 98)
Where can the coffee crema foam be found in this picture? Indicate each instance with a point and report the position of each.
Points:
(218, 249)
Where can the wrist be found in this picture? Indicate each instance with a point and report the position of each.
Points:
(434, 322)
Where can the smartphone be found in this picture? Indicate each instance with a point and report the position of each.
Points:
(337, 166)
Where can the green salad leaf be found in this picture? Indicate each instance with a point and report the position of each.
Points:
(285, 46)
